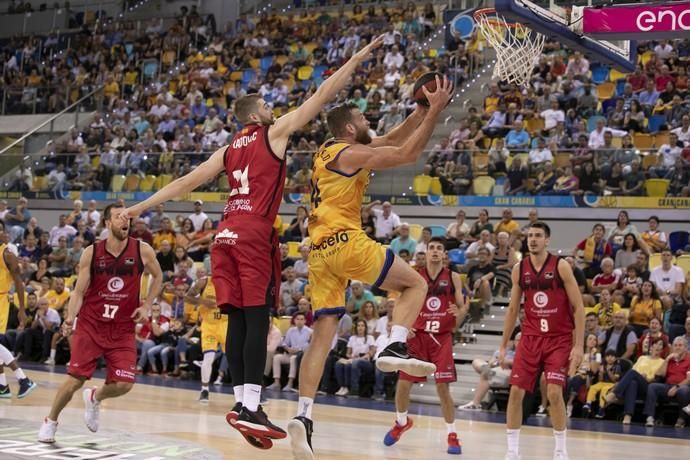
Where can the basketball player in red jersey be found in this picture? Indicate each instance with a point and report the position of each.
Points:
(553, 313)
(432, 340)
(106, 300)
(245, 257)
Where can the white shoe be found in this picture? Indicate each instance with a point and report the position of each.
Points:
(560, 455)
(290, 389)
(343, 391)
(47, 431)
(569, 410)
(541, 412)
(219, 381)
(91, 409)
(49, 362)
(686, 409)
(512, 456)
(650, 421)
(273, 387)
(470, 406)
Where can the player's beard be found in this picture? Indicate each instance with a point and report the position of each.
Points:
(118, 233)
(363, 137)
(268, 121)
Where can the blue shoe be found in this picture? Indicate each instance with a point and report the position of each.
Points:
(5, 392)
(454, 445)
(396, 432)
(26, 386)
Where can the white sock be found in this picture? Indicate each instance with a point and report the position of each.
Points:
(204, 387)
(401, 417)
(399, 334)
(238, 390)
(52, 353)
(3, 379)
(5, 356)
(207, 367)
(451, 428)
(560, 440)
(19, 373)
(304, 406)
(513, 441)
(252, 396)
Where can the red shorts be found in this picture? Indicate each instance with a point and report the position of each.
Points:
(245, 263)
(536, 352)
(115, 342)
(437, 349)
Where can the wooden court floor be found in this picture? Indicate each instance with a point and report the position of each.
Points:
(154, 422)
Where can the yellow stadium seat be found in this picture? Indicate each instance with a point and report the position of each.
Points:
(649, 160)
(656, 187)
(281, 60)
(293, 249)
(416, 231)
(236, 76)
(654, 260)
(562, 160)
(255, 63)
(117, 183)
(39, 183)
(284, 229)
(684, 263)
(283, 323)
(305, 72)
(131, 183)
(146, 184)
(164, 179)
(643, 141)
(480, 164)
(534, 125)
(617, 142)
(310, 47)
(436, 186)
(645, 57)
(223, 184)
(482, 185)
(615, 75)
(606, 91)
(421, 184)
(661, 139)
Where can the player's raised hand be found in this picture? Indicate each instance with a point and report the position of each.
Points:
(363, 54)
(438, 99)
(575, 360)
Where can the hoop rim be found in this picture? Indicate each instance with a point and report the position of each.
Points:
(482, 14)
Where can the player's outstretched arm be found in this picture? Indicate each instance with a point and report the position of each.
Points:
(205, 172)
(363, 156)
(12, 265)
(511, 314)
(76, 297)
(295, 120)
(575, 298)
(398, 136)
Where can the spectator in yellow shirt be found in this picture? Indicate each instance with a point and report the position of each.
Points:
(58, 296)
(507, 224)
(605, 309)
(166, 233)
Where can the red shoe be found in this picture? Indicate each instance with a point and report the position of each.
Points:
(394, 434)
(258, 442)
(231, 416)
(454, 445)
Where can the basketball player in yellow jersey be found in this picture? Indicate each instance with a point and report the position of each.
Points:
(341, 251)
(214, 327)
(10, 273)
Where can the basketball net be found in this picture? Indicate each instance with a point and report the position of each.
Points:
(517, 47)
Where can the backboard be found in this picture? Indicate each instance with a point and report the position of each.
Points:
(553, 19)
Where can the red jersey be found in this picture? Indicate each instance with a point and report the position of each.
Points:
(435, 317)
(547, 309)
(113, 292)
(255, 173)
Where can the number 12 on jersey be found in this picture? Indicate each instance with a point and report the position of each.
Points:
(432, 326)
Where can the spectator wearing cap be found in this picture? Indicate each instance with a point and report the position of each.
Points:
(403, 240)
(198, 216)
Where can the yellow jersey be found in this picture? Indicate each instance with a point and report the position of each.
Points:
(210, 315)
(336, 197)
(5, 275)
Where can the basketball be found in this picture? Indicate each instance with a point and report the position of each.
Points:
(428, 81)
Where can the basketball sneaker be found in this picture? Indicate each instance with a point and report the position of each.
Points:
(560, 455)
(26, 386)
(686, 409)
(203, 396)
(258, 425)
(396, 432)
(512, 456)
(231, 416)
(5, 392)
(454, 445)
(396, 358)
(47, 431)
(301, 429)
(91, 409)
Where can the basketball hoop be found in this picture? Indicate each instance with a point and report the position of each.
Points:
(518, 47)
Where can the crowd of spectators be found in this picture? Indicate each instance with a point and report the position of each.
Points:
(571, 131)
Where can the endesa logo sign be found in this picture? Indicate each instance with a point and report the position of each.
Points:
(628, 22)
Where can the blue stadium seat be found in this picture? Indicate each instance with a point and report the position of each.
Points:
(655, 123)
(620, 86)
(456, 256)
(600, 74)
(678, 240)
(437, 230)
(592, 123)
(266, 63)
(248, 75)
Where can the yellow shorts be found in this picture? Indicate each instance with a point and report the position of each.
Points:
(213, 336)
(347, 255)
(4, 312)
